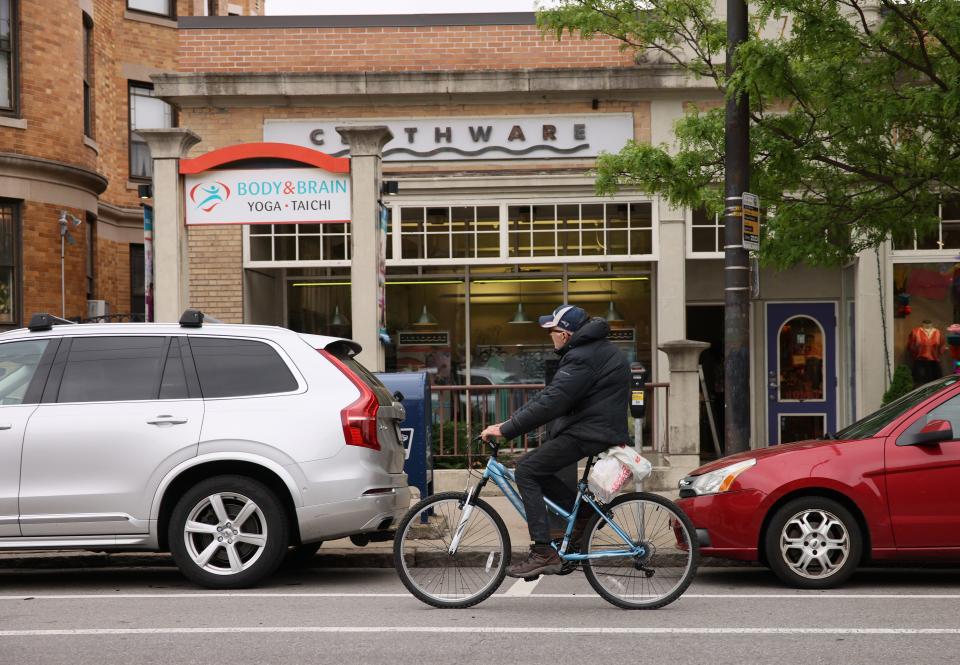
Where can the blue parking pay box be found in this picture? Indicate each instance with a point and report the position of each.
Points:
(416, 428)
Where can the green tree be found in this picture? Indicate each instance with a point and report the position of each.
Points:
(855, 113)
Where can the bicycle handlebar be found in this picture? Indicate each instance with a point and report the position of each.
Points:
(494, 447)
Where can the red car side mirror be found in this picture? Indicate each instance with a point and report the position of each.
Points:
(934, 431)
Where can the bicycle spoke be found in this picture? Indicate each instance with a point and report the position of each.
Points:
(428, 565)
(648, 579)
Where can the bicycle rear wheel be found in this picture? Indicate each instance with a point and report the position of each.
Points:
(662, 573)
(423, 561)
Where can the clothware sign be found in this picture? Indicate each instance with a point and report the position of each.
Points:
(267, 196)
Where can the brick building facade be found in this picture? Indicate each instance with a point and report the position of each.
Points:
(65, 146)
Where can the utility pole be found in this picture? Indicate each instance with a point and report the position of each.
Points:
(736, 267)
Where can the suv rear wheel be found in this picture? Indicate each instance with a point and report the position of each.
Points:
(228, 532)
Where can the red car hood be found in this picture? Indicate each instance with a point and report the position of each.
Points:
(782, 449)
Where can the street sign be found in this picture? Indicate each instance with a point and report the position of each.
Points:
(751, 222)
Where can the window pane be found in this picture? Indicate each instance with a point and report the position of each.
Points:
(309, 248)
(704, 239)
(232, 367)
(18, 362)
(261, 248)
(641, 215)
(141, 166)
(285, 248)
(152, 6)
(5, 78)
(174, 383)
(147, 111)
(112, 369)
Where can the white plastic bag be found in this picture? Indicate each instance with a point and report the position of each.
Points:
(607, 476)
(631, 458)
(614, 469)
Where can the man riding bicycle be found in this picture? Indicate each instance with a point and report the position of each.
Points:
(586, 405)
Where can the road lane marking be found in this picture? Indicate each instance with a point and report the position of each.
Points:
(504, 630)
(521, 588)
(507, 594)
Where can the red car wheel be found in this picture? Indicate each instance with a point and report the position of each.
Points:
(813, 543)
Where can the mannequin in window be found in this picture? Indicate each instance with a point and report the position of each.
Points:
(926, 347)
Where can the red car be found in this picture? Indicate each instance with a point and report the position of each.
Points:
(884, 488)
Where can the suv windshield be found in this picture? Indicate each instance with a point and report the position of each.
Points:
(876, 421)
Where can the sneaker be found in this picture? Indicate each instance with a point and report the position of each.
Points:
(542, 560)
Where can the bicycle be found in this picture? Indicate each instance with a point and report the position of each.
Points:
(639, 551)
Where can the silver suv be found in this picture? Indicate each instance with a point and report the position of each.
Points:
(224, 444)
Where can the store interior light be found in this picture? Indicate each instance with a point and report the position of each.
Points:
(520, 316)
(613, 316)
(338, 318)
(426, 319)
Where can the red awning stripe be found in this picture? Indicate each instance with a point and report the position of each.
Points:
(241, 151)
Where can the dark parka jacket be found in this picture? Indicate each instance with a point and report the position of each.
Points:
(589, 395)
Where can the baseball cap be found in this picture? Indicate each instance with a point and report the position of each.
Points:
(565, 317)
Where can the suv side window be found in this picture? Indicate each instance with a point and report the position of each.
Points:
(237, 367)
(112, 369)
(18, 366)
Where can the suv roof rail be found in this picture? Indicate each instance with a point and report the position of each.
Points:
(46, 322)
(194, 318)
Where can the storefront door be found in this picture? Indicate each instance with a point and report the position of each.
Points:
(801, 371)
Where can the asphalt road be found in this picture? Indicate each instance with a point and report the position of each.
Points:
(133, 615)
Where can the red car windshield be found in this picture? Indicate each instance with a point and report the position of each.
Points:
(869, 425)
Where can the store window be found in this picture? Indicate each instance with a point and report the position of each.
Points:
(444, 232)
(580, 229)
(945, 235)
(300, 242)
(9, 64)
(164, 8)
(926, 319)
(705, 238)
(320, 305)
(146, 112)
(9, 263)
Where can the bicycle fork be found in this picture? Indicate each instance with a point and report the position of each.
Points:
(464, 522)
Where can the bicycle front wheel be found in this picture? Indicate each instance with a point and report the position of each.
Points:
(421, 551)
(664, 570)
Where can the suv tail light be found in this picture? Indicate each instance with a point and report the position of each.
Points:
(360, 417)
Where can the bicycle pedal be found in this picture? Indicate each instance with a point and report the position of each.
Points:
(531, 579)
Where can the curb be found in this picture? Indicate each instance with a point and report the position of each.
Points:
(331, 558)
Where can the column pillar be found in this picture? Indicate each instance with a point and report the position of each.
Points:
(683, 452)
(671, 300)
(871, 378)
(367, 250)
(171, 272)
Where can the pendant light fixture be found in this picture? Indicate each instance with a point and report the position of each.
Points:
(613, 316)
(338, 318)
(426, 319)
(520, 316)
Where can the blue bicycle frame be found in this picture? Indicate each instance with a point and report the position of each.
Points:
(504, 479)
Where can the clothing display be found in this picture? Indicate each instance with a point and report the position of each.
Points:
(926, 345)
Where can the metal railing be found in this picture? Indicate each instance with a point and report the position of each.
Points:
(461, 412)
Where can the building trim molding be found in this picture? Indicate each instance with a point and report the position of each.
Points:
(355, 21)
(47, 181)
(279, 89)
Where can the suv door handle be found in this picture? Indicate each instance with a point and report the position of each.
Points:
(6, 427)
(167, 420)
